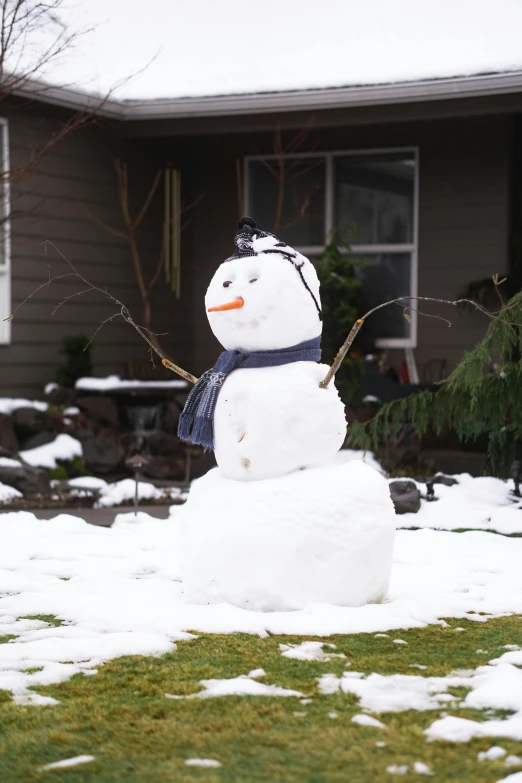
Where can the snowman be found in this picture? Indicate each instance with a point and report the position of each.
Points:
(279, 524)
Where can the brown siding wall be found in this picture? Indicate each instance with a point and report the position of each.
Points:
(463, 213)
(463, 231)
(76, 178)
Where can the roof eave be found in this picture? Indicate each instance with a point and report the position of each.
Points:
(292, 100)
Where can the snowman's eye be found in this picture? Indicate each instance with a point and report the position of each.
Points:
(254, 280)
(227, 283)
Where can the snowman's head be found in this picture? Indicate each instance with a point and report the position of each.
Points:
(265, 296)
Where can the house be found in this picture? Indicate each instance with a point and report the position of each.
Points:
(422, 177)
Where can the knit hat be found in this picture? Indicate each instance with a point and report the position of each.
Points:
(252, 241)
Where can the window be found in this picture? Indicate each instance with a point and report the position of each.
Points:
(369, 199)
(5, 279)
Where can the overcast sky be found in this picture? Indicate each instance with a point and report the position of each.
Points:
(209, 47)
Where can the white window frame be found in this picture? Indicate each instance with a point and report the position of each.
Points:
(5, 268)
(358, 249)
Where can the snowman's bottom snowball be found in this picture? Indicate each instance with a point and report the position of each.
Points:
(320, 535)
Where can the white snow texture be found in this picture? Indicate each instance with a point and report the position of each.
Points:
(322, 535)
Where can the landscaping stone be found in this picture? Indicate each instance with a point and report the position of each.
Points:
(29, 421)
(102, 455)
(8, 439)
(25, 478)
(406, 496)
(60, 395)
(101, 409)
(448, 481)
(40, 439)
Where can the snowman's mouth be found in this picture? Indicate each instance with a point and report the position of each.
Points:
(234, 305)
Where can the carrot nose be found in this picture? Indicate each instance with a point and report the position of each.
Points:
(237, 303)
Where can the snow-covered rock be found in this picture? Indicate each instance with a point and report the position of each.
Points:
(318, 535)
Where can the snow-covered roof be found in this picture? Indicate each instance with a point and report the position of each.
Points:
(202, 58)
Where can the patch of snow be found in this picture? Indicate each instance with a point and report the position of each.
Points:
(309, 651)
(202, 763)
(50, 387)
(399, 641)
(72, 411)
(482, 503)
(494, 753)
(10, 404)
(380, 744)
(421, 768)
(73, 762)
(516, 778)
(63, 448)
(513, 761)
(8, 493)
(88, 482)
(417, 666)
(395, 769)
(244, 685)
(381, 636)
(367, 720)
(115, 383)
(123, 595)
(125, 490)
(6, 462)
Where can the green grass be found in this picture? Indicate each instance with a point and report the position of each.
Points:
(121, 716)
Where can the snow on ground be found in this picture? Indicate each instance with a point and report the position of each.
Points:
(484, 503)
(10, 404)
(120, 491)
(309, 651)
(6, 462)
(73, 762)
(244, 685)
(115, 383)
(202, 763)
(63, 448)
(118, 593)
(125, 490)
(347, 455)
(8, 493)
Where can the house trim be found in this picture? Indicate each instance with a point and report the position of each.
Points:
(284, 101)
(5, 268)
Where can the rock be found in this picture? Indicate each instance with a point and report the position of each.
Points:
(29, 421)
(102, 454)
(162, 444)
(8, 439)
(59, 395)
(406, 496)
(165, 468)
(25, 478)
(40, 439)
(448, 481)
(101, 409)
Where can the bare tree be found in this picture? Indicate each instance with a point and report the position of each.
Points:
(33, 39)
(128, 231)
(286, 171)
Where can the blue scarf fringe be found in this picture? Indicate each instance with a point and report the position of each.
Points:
(196, 423)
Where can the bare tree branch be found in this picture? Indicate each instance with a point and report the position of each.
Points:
(345, 347)
(122, 312)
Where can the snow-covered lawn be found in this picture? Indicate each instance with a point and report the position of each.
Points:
(118, 592)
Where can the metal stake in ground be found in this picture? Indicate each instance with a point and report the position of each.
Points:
(135, 463)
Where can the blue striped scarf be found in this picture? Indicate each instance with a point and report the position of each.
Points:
(196, 423)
